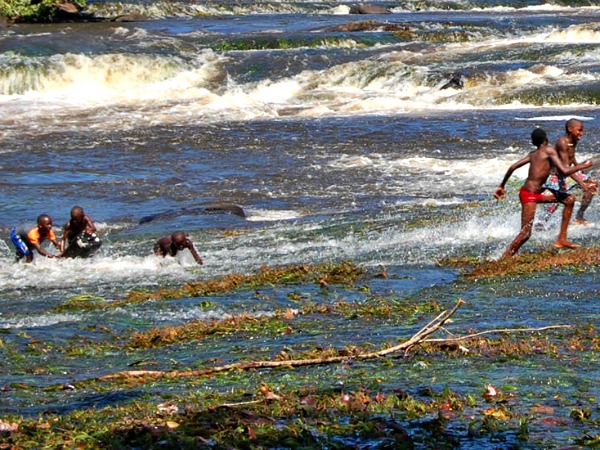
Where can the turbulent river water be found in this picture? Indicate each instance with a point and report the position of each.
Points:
(334, 132)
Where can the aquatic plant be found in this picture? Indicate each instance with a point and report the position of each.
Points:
(418, 338)
(526, 263)
(273, 43)
(537, 262)
(344, 272)
(261, 419)
(198, 329)
(32, 10)
(298, 415)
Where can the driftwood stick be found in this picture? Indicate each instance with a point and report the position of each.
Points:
(500, 330)
(417, 338)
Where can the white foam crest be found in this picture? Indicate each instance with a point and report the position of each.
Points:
(80, 79)
(53, 273)
(536, 8)
(588, 33)
(495, 9)
(493, 232)
(187, 313)
(264, 215)
(580, 33)
(467, 169)
(259, 100)
(34, 321)
(554, 118)
(339, 9)
(557, 8)
(174, 91)
(397, 246)
(543, 75)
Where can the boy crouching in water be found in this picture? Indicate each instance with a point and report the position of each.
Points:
(27, 239)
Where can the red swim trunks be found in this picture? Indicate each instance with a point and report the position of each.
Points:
(530, 197)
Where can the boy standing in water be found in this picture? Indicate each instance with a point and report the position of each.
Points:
(565, 147)
(533, 191)
(26, 239)
(170, 245)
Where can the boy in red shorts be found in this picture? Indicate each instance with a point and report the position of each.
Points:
(541, 161)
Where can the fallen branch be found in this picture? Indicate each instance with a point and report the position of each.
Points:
(500, 330)
(416, 339)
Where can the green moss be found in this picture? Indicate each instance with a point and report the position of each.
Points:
(31, 10)
(342, 273)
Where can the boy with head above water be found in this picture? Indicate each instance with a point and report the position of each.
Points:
(79, 235)
(565, 147)
(26, 239)
(541, 161)
(170, 245)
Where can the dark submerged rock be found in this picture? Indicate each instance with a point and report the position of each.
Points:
(211, 208)
(457, 81)
(133, 17)
(224, 208)
(369, 26)
(369, 9)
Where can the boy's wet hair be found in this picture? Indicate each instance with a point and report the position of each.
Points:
(41, 218)
(570, 123)
(538, 137)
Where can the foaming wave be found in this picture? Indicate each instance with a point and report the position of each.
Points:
(554, 118)
(263, 215)
(33, 321)
(588, 33)
(118, 91)
(465, 170)
(78, 78)
(160, 9)
(186, 313)
(391, 243)
(64, 273)
(521, 88)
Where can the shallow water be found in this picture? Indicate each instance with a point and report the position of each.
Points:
(337, 144)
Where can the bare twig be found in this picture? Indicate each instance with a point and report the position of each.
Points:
(500, 330)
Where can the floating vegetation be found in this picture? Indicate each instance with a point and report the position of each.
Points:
(83, 302)
(344, 273)
(560, 95)
(280, 321)
(265, 418)
(274, 43)
(526, 263)
(537, 262)
(243, 323)
(283, 408)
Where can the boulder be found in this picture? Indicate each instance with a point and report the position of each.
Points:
(133, 17)
(369, 9)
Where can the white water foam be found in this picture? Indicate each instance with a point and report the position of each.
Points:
(264, 215)
(480, 172)
(36, 321)
(562, 118)
(45, 273)
(161, 89)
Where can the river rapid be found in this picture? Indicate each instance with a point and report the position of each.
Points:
(334, 132)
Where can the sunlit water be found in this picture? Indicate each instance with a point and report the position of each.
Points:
(337, 144)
